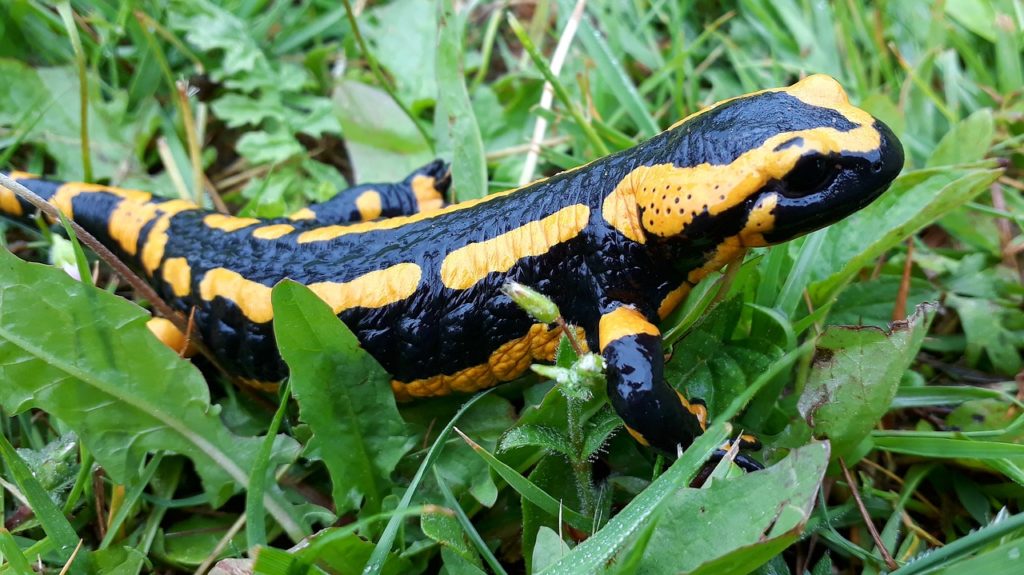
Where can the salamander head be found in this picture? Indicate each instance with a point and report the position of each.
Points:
(766, 167)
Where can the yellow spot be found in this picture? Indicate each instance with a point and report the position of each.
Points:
(303, 214)
(506, 363)
(331, 232)
(63, 198)
(464, 267)
(671, 301)
(253, 298)
(272, 232)
(9, 202)
(228, 223)
(369, 205)
(620, 210)
(178, 274)
(127, 220)
(427, 196)
(372, 290)
(156, 240)
(637, 436)
(171, 336)
(622, 322)
(697, 409)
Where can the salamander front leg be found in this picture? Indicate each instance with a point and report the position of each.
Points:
(654, 413)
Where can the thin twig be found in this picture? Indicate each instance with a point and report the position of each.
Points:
(889, 561)
(899, 311)
(379, 74)
(571, 335)
(548, 96)
(138, 284)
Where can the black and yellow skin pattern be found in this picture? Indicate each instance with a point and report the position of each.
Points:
(616, 244)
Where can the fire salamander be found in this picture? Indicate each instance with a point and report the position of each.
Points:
(617, 244)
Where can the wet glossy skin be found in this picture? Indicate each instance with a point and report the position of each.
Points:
(616, 243)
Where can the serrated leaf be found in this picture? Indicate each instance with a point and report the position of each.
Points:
(344, 396)
(261, 147)
(755, 516)
(94, 364)
(854, 377)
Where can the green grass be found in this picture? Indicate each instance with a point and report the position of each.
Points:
(269, 105)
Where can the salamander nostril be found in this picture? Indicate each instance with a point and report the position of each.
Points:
(876, 167)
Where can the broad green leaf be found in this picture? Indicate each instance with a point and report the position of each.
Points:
(190, 541)
(344, 396)
(854, 377)
(967, 141)
(708, 364)
(754, 517)
(872, 302)
(112, 136)
(95, 365)
(382, 142)
(403, 37)
(915, 200)
(984, 325)
(445, 529)
(457, 120)
(548, 549)
(119, 561)
(592, 555)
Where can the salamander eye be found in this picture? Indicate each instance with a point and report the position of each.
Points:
(810, 175)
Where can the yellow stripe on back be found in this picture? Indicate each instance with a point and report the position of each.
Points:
(371, 290)
(228, 223)
(464, 267)
(272, 232)
(374, 289)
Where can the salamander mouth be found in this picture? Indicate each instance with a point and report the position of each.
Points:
(823, 189)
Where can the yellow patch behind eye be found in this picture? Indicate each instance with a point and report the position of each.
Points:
(623, 322)
(464, 267)
(620, 209)
(369, 205)
(228, 223)
(272, 232)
